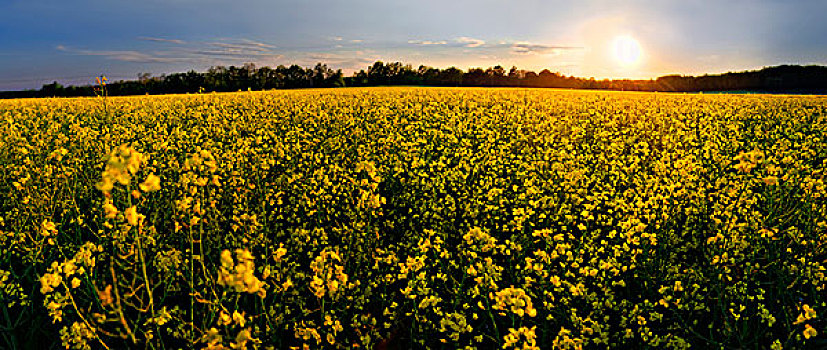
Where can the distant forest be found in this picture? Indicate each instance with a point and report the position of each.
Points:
(778, 79)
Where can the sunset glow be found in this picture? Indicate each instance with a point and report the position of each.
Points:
(626, 50)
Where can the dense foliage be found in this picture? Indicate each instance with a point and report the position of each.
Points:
(780, 79)
(414, 217)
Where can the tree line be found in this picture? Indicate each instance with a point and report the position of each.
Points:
(785, 78)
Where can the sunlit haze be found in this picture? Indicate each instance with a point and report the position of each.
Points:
(626, 50)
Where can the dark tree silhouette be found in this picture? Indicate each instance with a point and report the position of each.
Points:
(786, 79)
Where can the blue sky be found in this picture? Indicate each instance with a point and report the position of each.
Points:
(74, 40)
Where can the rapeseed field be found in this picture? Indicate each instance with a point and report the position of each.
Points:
(393, 218)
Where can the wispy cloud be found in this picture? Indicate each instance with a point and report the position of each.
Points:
(254, 43)
(349, 61)
(227, 53)
(502, 47)
(337, 52)
(162, 40)
(470, 42)
(344, 41)
(220, 51)
(540, 49)
(122, 55)
(232, 51)
(427, 42)
(241, 45)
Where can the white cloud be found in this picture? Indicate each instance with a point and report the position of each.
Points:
(524, 47)
(221, 51)
(162, 40)
(122, 55)
(427, 42)
(347, 61)
(470, 42)
(242, 45)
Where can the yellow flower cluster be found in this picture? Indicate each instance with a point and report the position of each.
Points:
(59, 272)
(328, 276)
(454, 324)
(151, 184)
(807, 313)
(238, 274)
(526, 335)
(77, 336)
(809, 331)
(479, 239)
(514, 300)
(48, 230)
(564, 340)
(749, 160)
(121, 164)
(10, 292)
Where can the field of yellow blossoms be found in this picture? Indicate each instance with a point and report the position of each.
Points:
(395, 218)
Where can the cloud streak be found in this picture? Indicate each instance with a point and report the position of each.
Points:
(527, 48)
(210, 52)
(234, 51)
(344, 60)
(162, 40)
(122, 55)
(470, 42)
(501, 47)
(427, 42)
(241, 45)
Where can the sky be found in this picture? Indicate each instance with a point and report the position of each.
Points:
(72, 41)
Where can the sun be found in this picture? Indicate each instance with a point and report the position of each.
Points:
(626, 50)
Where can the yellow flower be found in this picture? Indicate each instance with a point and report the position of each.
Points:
(131, 215)
(555, 280)
(48, 228)
(238, 318)
(514, 335)
(242, 338)
(109, 210)
(810, 312)
(105, 185)
(49, 282)
(809, 331)
(151, 184)
(318, 286)
(514, 299)
(240, 276)
(280, 252)
(807, 314)
(224, 319)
